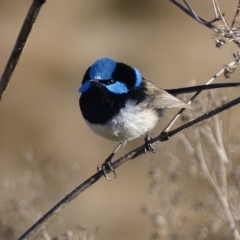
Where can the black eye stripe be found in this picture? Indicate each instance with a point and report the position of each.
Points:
(108, 82)
(123, 73)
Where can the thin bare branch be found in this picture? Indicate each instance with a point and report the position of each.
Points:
(90, 181)
(20, 44)
(214, 9)
(221, 146)
(208, 133)
(236, 14)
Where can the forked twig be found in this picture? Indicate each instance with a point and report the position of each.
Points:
(197, 93)
(227, 33)
(229, 29)
(190, 12)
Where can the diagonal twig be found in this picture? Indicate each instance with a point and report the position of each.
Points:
(197, 93)
(20, 44)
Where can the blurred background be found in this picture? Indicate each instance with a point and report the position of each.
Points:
(46, 149)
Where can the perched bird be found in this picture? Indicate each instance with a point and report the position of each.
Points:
(120, 105)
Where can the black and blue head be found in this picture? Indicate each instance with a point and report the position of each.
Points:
(108, 75)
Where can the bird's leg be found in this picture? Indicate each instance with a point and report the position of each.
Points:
(148, 146)
(108, 164)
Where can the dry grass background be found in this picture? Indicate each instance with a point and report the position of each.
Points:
(45, 147)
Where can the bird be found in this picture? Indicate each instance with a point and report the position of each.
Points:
(119, 104)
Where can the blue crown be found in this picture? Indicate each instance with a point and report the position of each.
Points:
(102, 69)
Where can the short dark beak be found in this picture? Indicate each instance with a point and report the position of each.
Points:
(94, 81)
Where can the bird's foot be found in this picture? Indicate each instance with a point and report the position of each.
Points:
(148, 146)
(107, 167)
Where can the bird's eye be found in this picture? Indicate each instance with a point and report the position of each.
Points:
(109, 82)
(112, 81)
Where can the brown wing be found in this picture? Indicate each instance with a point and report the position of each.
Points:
(162, 99)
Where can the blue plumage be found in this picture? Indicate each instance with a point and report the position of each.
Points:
(138, 77)
(102, 69)
(117, 88)
(85, 86)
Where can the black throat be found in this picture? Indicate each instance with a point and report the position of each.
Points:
(98, 105)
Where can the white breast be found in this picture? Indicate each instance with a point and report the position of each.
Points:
(131, 122)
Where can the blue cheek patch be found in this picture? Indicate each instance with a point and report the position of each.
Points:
(138, 77)
(117, 88)
(85, 86)
(102, 69)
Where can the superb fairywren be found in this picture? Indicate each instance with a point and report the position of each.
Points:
(120, 105)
